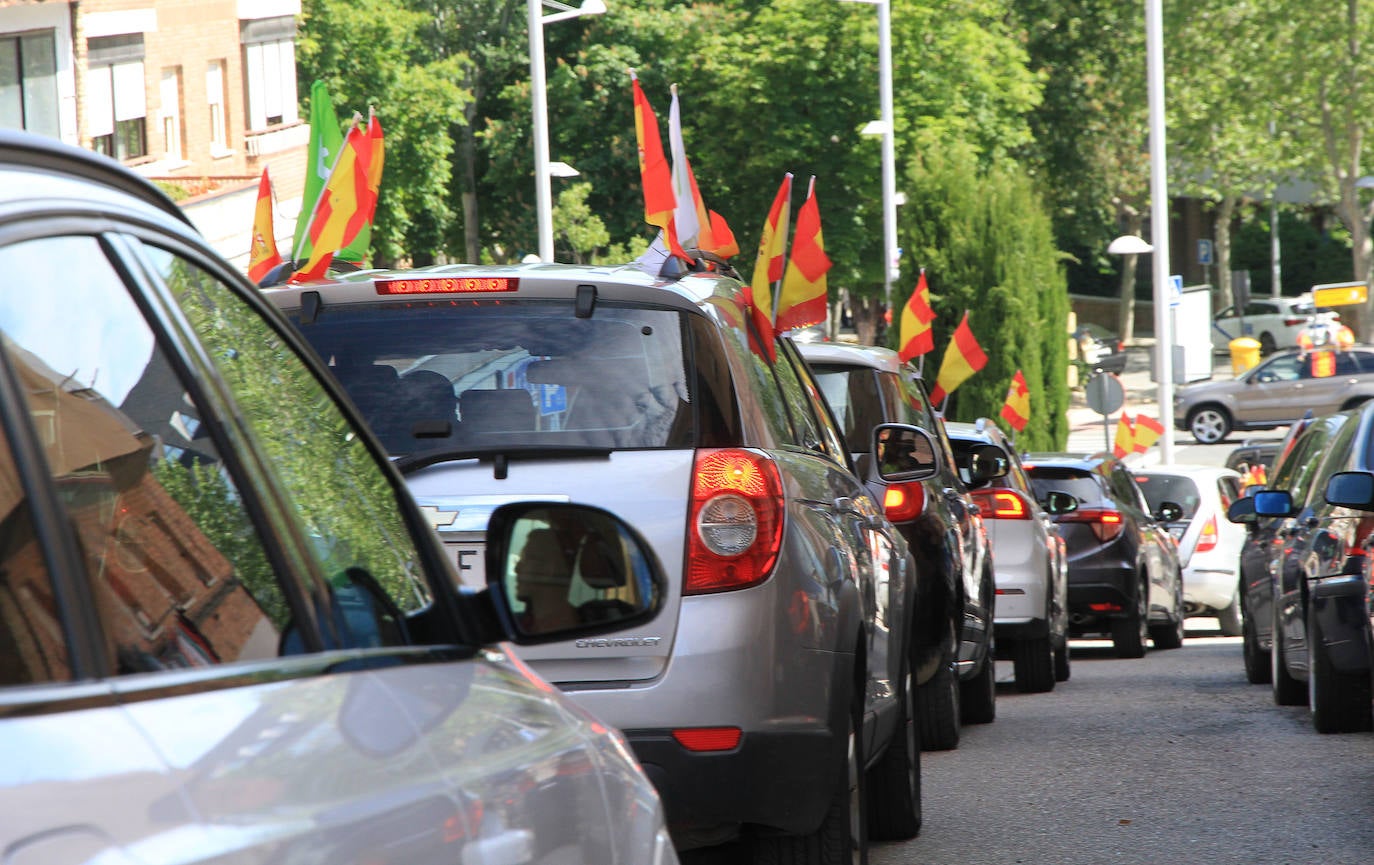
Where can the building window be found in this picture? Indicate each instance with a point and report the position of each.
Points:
(28, 82)
(116, 99)
(171, 113)
(214, 95)
(269, 63)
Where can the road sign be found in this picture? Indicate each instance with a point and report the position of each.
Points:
(1204, 251)
(1339, 293)
(1105, 393)
(1175, 289)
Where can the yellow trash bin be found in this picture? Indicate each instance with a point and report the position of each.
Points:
(1245, 353)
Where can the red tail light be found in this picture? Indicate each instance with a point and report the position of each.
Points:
(734, 527)
(1208, 539)
(904, 502)
(1295, 320)
(1002, 504)
(708, 738)
(1106, 524)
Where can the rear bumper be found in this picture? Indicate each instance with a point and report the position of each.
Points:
(1209, 588)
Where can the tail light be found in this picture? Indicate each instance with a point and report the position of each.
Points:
(708, 738)
(1295, 320)
(1106, 523)
(903, 502)
(735, 521)
(1208, 539)
(1002, 504)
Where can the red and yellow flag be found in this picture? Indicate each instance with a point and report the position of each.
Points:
(694, 224)
(768, 263)
(1147, 432)
(1124, 443)
(262, 251)
(655, 175)
(963, 357)
(915, 332)
(802, 300)
(1016, 409)
(343, 207)
(356, 250)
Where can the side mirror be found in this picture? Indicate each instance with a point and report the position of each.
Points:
(1169, 512)
(557, 570)
(904, 453)
(987, 462)
(1273, 503)
(1059, 502)
(1351, 490)
(1242, 511)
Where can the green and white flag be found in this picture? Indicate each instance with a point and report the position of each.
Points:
(326, 139)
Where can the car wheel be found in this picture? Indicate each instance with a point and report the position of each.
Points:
(1034, 663)
(1061, 660)
(1341, 702)
(937, 703)
(1267, 344)
(1130, 632)
(894, 783)
(1228, 619)
(1257, 661)
(1288, 691)
(979, 694)
(1170, 634)
(1209, 424)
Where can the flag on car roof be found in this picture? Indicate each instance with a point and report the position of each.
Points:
(1016, 409)
(262, 251)
(1147, 431)
(696, 225)
(326, 139)
(768, 262)
(356, 251)
(802, 300)
(343, 206)
(1124, 442)
(963, 357)
(915, 331)
(654, 173)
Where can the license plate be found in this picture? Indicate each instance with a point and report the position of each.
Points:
(471, 562)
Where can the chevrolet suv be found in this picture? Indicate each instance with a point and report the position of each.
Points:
(227, 634)
(779, 674)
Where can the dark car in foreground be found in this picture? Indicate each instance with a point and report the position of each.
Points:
(1125, 580)
(956, 586)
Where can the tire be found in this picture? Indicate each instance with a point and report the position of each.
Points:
(1288, 691)
(1130, 632)
(1257, 661)
(1267, 344)
(1061, 661)
(1209, 424)
(1228, 619)
(1170, 634)
(1341, 702)
(979, 694)
(842, 837)
(937, 704)
(1034, 662)
(894, 783)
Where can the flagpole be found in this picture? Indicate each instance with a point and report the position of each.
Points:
(324, 189)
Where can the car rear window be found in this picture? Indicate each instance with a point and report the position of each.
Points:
(1159, 489)
(431, 375)
(1082, 485)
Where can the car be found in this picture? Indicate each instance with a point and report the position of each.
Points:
(1274, 322)
(771, 701)
(1125, 580)
(1251, 454)
(869, 385)
(1276, 392)
(1029, 560)
(229, 632)
(1100, 349)
(1209, 544)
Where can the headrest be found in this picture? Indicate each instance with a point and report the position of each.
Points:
(542, 558)
(598, 565)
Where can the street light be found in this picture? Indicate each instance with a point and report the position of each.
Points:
(885, 127)
(1159, 227)
(542, 168)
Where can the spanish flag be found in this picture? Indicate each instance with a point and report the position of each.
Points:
(356, 250)
(1016, 410)
(1147, 432)
(695, 225)
(768, 262)
(1124, 442)
(802, 300)
(916, 335)
(344, 206)
(963, 357)
(262, 252)
(655, 175)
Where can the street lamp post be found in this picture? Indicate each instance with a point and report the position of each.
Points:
(543, 192)
(1159, 227)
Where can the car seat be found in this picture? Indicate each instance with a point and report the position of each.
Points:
(428, 410)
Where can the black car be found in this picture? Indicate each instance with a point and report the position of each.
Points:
(865, 386)
(1124, 575)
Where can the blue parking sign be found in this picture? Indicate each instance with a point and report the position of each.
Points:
(1204, 251)
(553, 398)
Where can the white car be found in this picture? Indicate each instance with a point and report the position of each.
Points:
(1208, 543)
(1274, 321)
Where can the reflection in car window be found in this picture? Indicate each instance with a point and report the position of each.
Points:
(1159, 489)
(177, 572)
(345, 504)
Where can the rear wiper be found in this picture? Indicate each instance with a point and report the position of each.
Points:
(498, 454)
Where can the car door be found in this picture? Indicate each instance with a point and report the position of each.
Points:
(1273, 390)
(1157, 545)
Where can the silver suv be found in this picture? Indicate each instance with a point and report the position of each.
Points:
(227, 634)
(778, 676)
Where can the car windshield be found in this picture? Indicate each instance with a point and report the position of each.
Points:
(1170, 488)
(1084, 486)
(434, 375)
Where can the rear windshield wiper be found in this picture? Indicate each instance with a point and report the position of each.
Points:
(499, 454)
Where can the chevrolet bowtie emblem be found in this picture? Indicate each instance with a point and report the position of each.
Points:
(436, 517)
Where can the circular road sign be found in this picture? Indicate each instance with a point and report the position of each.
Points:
(1105, 393)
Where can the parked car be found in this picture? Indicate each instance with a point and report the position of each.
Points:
(1125, 580)
(865, 386)
(1274, 322)
(1029, 560)
(781, 672)
(1100, 349)
(1209, 544)
(1276, 392)
(229, 633)
(1251, 453)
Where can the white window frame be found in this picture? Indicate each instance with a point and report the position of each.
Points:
(270, 72)
(214, 97)
(170, 112)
